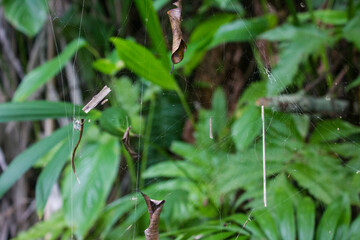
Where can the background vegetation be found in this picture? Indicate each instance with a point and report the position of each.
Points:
(298, 58)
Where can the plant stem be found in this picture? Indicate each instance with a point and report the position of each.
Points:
(292, 10)
(186, 106)
(325, 61)
(145, 154)
(311, 10)
(350, 10)
(130, 164)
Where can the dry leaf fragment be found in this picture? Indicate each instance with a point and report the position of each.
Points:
(126, 142)
(154, 209)
(178, 44)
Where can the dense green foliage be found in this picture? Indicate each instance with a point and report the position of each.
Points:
(212, 186)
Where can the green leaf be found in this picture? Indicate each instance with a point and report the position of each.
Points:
(344, 220)
(353, 84)
(114, 121)
(200, 39)
(284, 215)
(351, 31)
(141, 61)
(252, 93)
(51, 228)
(26, 159)
(267, 224)
(151, 21)
(246, 128)
(354, 232)
(308, 178)
(326, 16)
(243, 30)
(250, 225)
(172, 169)
(96, 167)
(219, 111)
(305, 215)
(49, 175)
(158, 4)
(327, 226)
(294, 49)
(111, 214)
(27, 16)
(42, 74)
(109, 65)
(37, 110)
(331, 130)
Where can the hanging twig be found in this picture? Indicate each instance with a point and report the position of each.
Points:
(154, 209)
(338, 79)
(96, 99)
(77, 144)
(264, 168)
(211, 133)
(298, 103)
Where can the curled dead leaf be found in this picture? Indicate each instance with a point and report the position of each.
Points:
(178, 44)
(126, 142)
(154, 209)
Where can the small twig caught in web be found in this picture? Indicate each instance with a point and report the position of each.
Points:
(96, 99)
(104, 101)
(264, 168)
(74, 151)
(211, 133)
(126, 141)
(247, 220)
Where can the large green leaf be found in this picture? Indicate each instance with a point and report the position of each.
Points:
(152, 25)
(328, 223)
(42, 74)
(305, 215)
(243, 30)
(294, 49)
(50, 174)
(308, 178)
(352, 31)
(219, 111)
(52, 228)
(140, 60)
(284, 215)
(114, 120)
(26, 159)
(27, 16)
(200, 39)
(331, 130)
(267, 224)
(96, 167)
(326, 16)
(246, 128)
(354, 232)
(37, 110)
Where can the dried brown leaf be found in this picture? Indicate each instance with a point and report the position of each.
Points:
(178, 44)
(154, 209)
(126, 142)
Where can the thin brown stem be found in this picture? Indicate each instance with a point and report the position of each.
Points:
(77, 144)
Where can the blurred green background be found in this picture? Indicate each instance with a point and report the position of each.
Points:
(299, 59)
